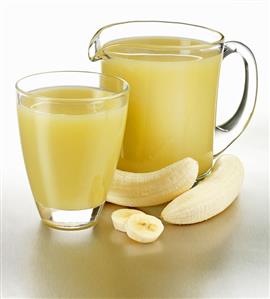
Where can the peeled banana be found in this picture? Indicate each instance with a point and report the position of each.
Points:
(144, 228)
(211, 196)
(153, 188)
(120, 218)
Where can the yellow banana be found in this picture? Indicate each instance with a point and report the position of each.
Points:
(153, 188)
(120, 218)
(144, 228)
(211, 196)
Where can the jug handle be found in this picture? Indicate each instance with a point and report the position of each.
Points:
(228, 132)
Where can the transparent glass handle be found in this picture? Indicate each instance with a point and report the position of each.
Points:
(229, 131)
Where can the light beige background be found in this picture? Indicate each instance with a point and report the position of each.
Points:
(223, 257)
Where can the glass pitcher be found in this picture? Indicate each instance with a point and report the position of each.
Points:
(173, 71)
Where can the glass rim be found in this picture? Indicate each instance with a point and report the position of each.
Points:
(215, 42)
(85, 99)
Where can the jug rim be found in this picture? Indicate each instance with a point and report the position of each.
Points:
(95, 40)
(166, 22)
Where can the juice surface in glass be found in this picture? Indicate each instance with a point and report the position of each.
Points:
(70, 149)
(172, 103)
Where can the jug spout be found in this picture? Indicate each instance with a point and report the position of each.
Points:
(94, 48)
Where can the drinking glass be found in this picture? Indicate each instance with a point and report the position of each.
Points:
(71, 127)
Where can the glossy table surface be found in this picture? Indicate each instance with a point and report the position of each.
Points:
(226, 256)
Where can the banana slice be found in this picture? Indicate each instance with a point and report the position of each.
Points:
(153, 188)
(211, 196)
(144, 228)
(120, 218)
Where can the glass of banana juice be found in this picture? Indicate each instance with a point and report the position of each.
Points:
(173, 71)
(71, 127)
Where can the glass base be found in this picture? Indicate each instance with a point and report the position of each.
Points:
(204, 175)
(69, 219)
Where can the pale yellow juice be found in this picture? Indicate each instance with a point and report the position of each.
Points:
(172, 106)
(71, 146)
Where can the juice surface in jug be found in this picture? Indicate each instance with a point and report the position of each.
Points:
(172, 106)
